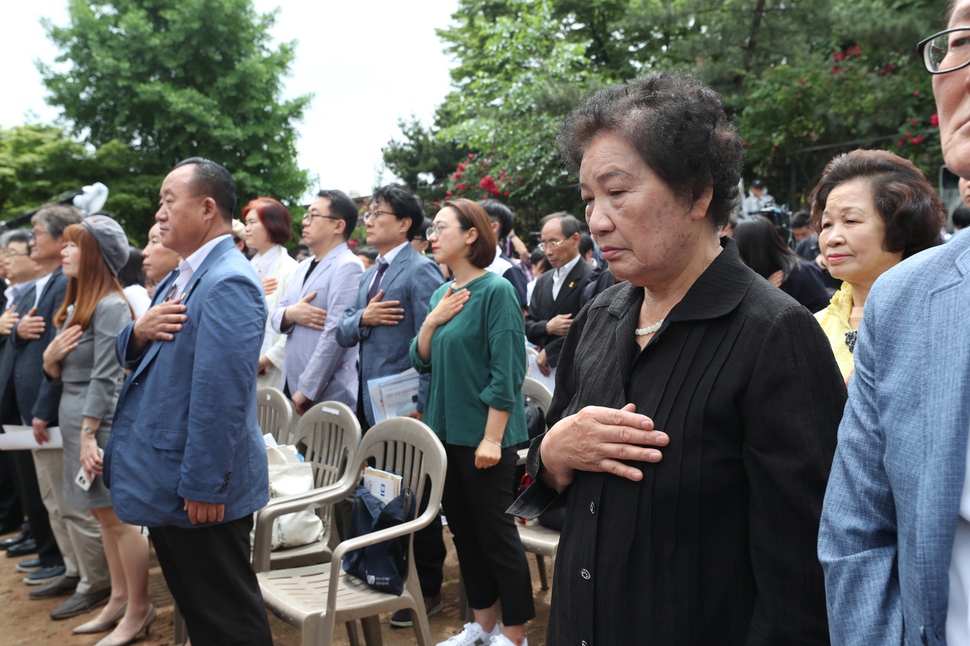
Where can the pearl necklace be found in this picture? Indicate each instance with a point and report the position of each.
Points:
(650, 329)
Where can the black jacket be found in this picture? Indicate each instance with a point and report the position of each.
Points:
(542, 307)
(717, 543)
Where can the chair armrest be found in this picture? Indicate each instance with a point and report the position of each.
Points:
(386, 534)
(523, 455)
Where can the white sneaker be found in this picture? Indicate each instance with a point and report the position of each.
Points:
(502, 640)
(472, 635)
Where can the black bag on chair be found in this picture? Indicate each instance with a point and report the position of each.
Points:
(381, 566)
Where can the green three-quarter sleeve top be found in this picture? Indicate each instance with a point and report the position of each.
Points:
(477, 363)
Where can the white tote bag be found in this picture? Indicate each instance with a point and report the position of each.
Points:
(289, 476)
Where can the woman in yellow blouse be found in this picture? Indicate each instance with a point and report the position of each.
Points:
(872, 209)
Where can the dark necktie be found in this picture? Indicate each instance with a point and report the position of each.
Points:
(170, 294)
(376, 285)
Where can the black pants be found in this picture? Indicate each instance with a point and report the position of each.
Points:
(208, 571)
(11, 514)
(490, 554)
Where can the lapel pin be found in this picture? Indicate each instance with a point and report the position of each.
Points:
(571, 285)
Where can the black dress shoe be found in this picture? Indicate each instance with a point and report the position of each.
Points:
(80, 602)
(59, 587)
(23, 548)
(6, 529)
(12, 540)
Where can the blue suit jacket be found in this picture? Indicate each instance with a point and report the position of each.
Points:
(185, 424)
(893, 498)
(411, 279)
(313, 362)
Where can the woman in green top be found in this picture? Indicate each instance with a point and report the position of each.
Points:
(473, 344)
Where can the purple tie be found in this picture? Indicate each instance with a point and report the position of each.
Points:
(376, 285)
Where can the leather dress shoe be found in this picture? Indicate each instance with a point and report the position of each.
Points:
(10, 541)
(59, 587)
(23, 548)
(81, 602)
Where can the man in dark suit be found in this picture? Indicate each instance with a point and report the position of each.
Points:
(556, 298)
(37, 536)
(186, 457)
(391, 304)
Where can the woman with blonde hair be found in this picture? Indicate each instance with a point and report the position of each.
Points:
(82, 359)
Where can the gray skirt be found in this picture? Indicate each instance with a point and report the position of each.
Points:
(71, 420)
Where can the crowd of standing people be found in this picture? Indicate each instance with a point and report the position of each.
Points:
(742, 458)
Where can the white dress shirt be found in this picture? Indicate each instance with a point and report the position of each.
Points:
(190, 265)
(389, 258)
(559, 277)
(41, 284)
(958, 609)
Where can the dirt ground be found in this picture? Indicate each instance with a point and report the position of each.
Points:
(23, 621)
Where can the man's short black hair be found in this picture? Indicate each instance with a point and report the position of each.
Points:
(498, 212)
(213, 180)
(585, 244)
(961, 217)
(800, 219)
(404, 203)
(341, 205)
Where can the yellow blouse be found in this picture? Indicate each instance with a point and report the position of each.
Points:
(835, 322)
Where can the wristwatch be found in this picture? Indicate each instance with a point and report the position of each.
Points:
(88, 430)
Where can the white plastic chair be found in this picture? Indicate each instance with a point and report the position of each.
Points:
(537, 539)
(274, 414)
(318, 597)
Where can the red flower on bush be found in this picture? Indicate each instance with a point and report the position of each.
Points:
(855, 50)
(488, 185)
(838, 56)
(456, 176)
(915, 92)
(918, 139)
(935, 121)
(462, 167)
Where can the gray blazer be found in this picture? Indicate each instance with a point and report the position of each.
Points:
(411, 279)
(893, 497)
(313, 362)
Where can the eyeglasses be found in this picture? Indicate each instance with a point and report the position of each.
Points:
(438, 228)
(38, 232)
(14, 254)
(946, 51)
(550, 245)
(308, 217)
(372, 215)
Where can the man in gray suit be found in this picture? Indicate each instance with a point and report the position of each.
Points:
(315, 367)
(391, 304)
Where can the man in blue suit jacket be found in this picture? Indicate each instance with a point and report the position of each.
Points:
(384, 324)
(186, 457)
(894, 540)
(391, 304)
(315, 367)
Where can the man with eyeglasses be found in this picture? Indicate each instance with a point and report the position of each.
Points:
(390, 306)
(894, 540)
(17, 467)
(556, 298)
(315, 367)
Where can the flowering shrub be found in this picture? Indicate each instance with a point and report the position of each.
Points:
(478, 178)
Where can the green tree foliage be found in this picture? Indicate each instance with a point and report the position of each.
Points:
(39, 162)
(172, 79)
(802, 79)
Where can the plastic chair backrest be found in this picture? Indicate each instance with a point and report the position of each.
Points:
(539, 394)
(327, 436)
(274, 414)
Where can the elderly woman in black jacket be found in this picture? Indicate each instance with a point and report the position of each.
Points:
(696, 405)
